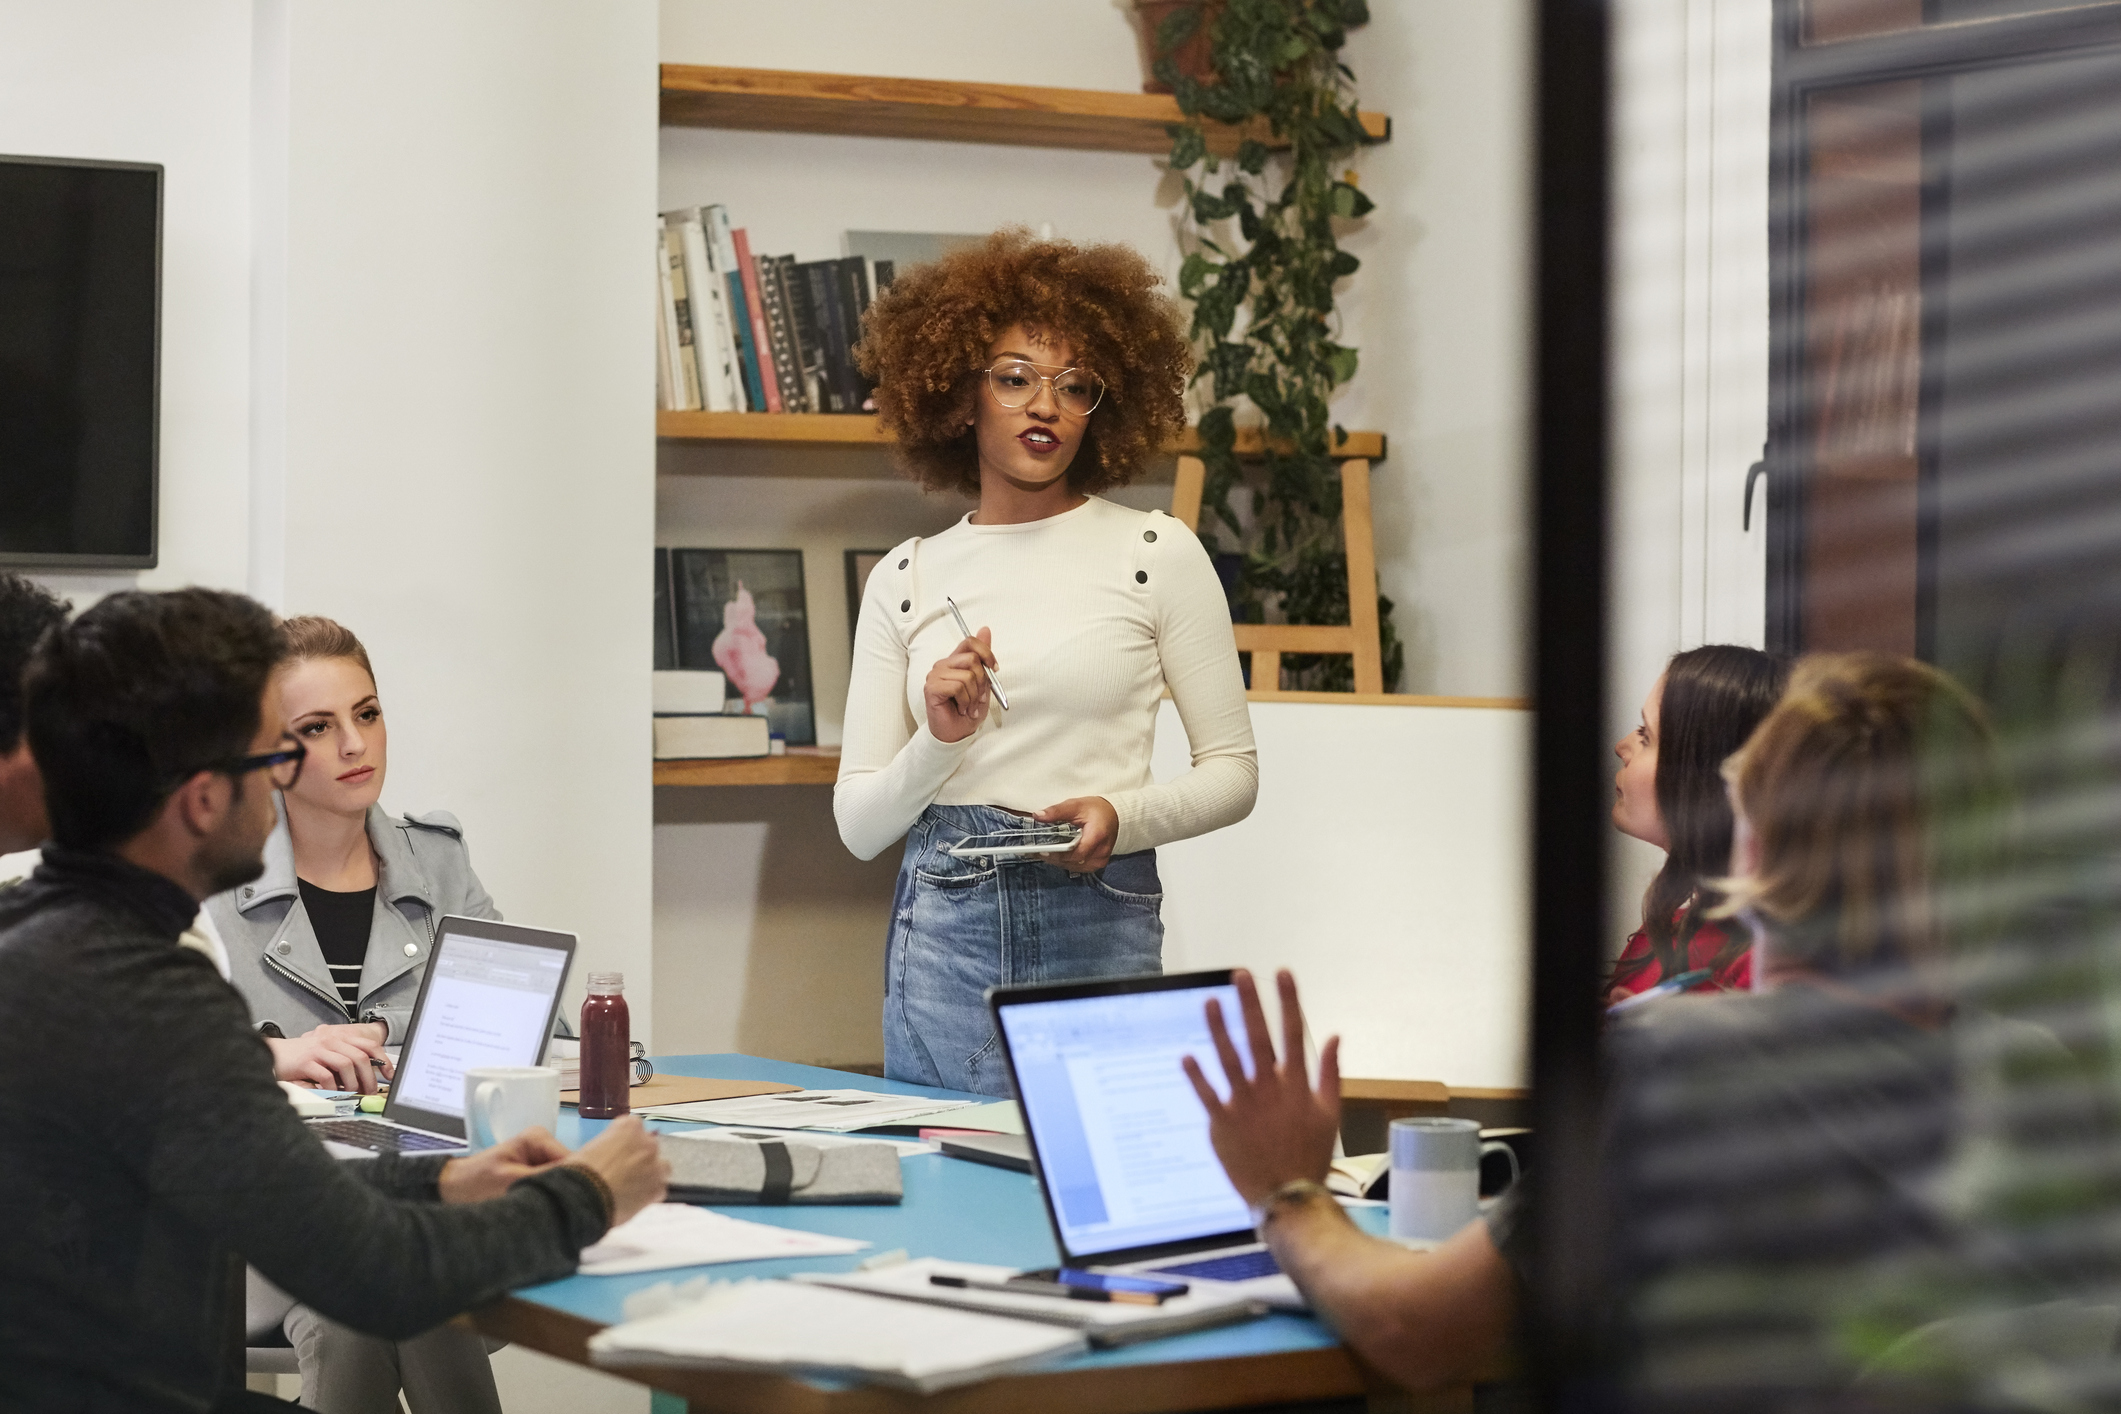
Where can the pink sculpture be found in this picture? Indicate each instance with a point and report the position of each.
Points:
(740, 650)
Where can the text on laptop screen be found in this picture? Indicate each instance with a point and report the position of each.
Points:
(487, 1004)
(1122, 1139)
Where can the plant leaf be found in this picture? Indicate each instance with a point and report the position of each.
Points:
(1188, 145)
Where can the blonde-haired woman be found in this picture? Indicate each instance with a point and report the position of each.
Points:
(328, 947)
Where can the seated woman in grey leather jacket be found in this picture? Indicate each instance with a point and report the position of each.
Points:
(328, 947)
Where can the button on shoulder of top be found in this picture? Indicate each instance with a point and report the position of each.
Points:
(1141, 576)
(905, 605)
(1150, 536)
(412, 949)
(903, 563)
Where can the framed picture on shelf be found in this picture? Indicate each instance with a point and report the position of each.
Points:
(744, 613)
(859, 563)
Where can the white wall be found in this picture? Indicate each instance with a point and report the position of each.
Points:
(1385, 864)
(148, 81)
(467, 477)
(1438, 310)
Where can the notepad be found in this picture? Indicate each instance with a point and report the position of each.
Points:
(797, 1327)
(1105, 1323)
(675, 1235)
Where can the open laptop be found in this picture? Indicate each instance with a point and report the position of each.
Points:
(489, 997)
(1118, 1136)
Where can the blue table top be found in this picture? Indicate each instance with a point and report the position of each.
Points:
(963, 1211)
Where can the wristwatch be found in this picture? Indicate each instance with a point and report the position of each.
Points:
(1293, 1194)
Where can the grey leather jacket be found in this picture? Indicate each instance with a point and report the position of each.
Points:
(423, 875)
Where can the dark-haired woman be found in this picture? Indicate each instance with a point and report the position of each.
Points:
(1031, 375)
(1670, 792)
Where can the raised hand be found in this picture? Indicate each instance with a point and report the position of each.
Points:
(1274, 1128)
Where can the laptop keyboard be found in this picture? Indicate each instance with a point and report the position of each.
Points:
(380, 1138)
(1239, 1266)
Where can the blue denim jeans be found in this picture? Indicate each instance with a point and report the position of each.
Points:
(960, 926)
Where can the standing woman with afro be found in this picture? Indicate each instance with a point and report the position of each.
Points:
(1031, 374)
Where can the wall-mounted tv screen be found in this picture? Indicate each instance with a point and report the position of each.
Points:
(80, 315)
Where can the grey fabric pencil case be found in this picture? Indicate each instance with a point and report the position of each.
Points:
(717, 1168)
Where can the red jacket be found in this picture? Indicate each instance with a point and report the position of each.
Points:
(1708, 940)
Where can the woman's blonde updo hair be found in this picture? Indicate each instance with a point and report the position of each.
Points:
(314, 636)
(1876, 801)
(926, 340)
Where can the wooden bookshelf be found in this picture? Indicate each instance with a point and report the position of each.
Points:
(802, 766)
(1012, 115)
(824, 429)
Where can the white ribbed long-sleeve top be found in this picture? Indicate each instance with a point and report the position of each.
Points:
(1094, 613)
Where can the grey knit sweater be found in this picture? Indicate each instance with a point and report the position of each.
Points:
(145, 1153)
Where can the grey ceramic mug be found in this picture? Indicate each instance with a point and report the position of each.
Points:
(1436, 1175)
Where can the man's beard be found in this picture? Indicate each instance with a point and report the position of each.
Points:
(227, 859)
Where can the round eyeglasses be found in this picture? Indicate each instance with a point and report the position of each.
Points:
(1015, 383)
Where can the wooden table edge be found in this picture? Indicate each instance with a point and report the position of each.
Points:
(1232, 1383)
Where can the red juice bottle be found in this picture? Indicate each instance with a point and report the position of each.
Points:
(607, 1043)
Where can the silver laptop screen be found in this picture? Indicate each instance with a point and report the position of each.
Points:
(487, 1003)
(1122, 1139)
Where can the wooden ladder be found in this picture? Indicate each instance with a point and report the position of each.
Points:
(1358, 637)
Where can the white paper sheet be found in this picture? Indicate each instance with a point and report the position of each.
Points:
(778, 1325)
(679, 1235)
(833, 1111)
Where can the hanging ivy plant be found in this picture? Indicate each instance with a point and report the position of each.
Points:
(1277, 61)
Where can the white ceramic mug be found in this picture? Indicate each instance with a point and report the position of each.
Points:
(501, 1101)
(1436, 1176)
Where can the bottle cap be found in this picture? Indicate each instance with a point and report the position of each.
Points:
(606, 983)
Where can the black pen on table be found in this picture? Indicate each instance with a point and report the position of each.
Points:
(1044, 1288)
(992, 680)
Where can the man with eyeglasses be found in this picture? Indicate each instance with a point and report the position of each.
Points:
(337, 1057)
(145, 1151)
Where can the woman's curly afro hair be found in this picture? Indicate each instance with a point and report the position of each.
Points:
(926, 338)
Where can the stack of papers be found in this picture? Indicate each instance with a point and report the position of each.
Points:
(676, 1235)
(1105, 1323)
(833, 1111)
(793, 1327)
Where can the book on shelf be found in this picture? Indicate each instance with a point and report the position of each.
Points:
(744, 331)
(780, 330)
(761, 336)
(854, 300)
(712, 737)
(712, 349)
(821, 282)
(809, 333)
(687, 368)
(671, 385)
(663, 397)
(722, 242)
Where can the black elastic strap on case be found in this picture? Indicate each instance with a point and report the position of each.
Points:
(780, 1172)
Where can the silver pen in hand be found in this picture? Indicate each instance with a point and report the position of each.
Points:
(993, 680)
